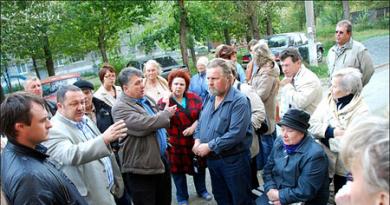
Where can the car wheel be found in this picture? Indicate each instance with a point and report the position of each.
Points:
(320, 55)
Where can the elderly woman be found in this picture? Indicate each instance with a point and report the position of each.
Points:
(229, 53)
(297, 168)
(265, 81)
(365, 151)
(198, 83)
(156, 86)
(183, 123)
(108, 91)
(334, 114)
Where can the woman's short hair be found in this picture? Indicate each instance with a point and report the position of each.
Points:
(179, 73)
(252, 43)
(153, 63)
(105, 68)
(263, 54)
(351, 80)
(203, 60)
(366, 141)
(225, 51)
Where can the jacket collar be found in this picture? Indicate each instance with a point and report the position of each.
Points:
(229, 96)
(39, 152)
(304, 143)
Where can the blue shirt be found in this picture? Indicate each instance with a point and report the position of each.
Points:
(226, 129)
(241, 73)
(161, 132)
(198, 85)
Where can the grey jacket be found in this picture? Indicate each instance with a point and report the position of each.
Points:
(355, 55)
(80, 160)
(140, 152)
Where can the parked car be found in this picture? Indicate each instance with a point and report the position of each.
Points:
(15, 81)
(51, 84)
(278, 42)
(167, 64)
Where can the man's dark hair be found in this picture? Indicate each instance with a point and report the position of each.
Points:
(291, 52)
(16, 109)
(125, 75)
(63, 90)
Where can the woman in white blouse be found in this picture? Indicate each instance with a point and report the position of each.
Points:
(156, 86)
(108, 91)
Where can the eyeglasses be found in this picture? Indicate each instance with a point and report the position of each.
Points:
(109, 76)
(340, 32)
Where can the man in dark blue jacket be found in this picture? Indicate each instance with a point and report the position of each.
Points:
(27, 176)
(297, 169)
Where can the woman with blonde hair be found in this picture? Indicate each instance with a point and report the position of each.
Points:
(365, 152)
(156, 86)
(265, 81)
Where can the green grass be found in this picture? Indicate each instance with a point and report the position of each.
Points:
(321, 70)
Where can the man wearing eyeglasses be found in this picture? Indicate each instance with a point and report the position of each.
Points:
(349, 53)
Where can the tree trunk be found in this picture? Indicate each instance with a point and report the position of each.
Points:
(48, 56)
(34, 61)
(251, 8)
(2, 96)
(102, 44)
(183, 32)
(227, 36)
(191, 46)
(269, 24)
(346, 10)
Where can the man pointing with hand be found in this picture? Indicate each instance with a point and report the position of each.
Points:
(82, 152)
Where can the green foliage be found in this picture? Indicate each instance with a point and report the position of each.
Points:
(118, 63)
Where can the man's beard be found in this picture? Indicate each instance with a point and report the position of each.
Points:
(214, 92)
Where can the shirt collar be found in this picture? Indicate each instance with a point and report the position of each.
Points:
(80, 125)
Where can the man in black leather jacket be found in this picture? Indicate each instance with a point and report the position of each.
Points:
(27, 176)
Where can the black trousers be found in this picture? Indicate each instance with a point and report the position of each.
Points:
(155, 189)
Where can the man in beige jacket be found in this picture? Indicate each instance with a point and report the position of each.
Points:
(349, 53)
(300, 88)
(82, 152)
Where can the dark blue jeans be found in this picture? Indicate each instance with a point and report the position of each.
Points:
(266, 144)
(181, 185)
(231, 179)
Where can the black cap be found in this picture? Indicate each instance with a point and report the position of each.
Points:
(296, 119)
(83, 84)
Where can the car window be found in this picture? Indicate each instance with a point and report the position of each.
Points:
(166, 61)
(297, 40)
(52, 87)
(304, 38)
(278, 41)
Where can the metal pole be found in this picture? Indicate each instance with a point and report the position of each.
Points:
(309, 10)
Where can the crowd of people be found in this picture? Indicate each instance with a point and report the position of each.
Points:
(126, 144)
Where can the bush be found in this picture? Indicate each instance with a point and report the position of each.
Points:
(117, 62)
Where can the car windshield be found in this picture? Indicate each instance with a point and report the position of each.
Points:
(52, 87)
(166, 61)
(278, 41)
